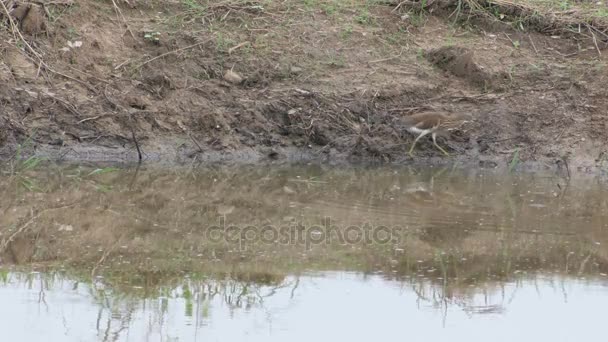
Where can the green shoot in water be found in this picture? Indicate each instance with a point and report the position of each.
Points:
(514, 161)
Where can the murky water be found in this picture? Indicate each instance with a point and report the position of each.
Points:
(301, 254)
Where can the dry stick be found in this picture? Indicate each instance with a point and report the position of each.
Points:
(65, 104)
(581, 269)
(139, 155)
(57, 3)
(122, 64)
(598, 31)
(88, 75)
(200, 148)
(565, 160)
(5, 242)
(89, 119)
(173, 52)
(595, 41)
(232, 49)
(119, 13)
(105, 255)
(410, 3)
(532, 42)
(509, 38)
(386, 59)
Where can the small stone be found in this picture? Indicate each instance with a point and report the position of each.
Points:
(295, 70)
(74, 45)
(224, 210)
(65, 228)
(233, 77)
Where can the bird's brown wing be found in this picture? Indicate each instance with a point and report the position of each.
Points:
(424, 120)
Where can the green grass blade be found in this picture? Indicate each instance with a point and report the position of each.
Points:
(514, 161)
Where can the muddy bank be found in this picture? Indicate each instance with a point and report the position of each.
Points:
(321, 80)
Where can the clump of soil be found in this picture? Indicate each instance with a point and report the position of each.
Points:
(289, 80)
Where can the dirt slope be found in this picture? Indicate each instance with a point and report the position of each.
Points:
(194, 80)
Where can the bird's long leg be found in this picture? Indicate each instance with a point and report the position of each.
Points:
(434, 135)
(415, 141)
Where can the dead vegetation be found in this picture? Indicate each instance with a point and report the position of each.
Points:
(552, 17)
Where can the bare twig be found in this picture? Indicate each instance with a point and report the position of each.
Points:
(119, 13)
(139, 154)
(533, 45)
(200, 148)
(65, 104)
(89, 119)
(5, 242)
(234, 48)
(595, 41)
(386, 59)
(122, 64)
(57, 3)
(105, 255)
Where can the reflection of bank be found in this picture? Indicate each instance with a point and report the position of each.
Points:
(444, 235)
(483, 225)
(259, 307)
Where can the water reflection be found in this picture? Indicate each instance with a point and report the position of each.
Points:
(151, 223)
(330, 305)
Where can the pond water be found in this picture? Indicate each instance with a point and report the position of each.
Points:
(302, 253)
(328, 306)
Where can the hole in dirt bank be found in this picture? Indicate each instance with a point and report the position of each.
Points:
(29, 17)
(460, 62)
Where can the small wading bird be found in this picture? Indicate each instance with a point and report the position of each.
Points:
(433, 123)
